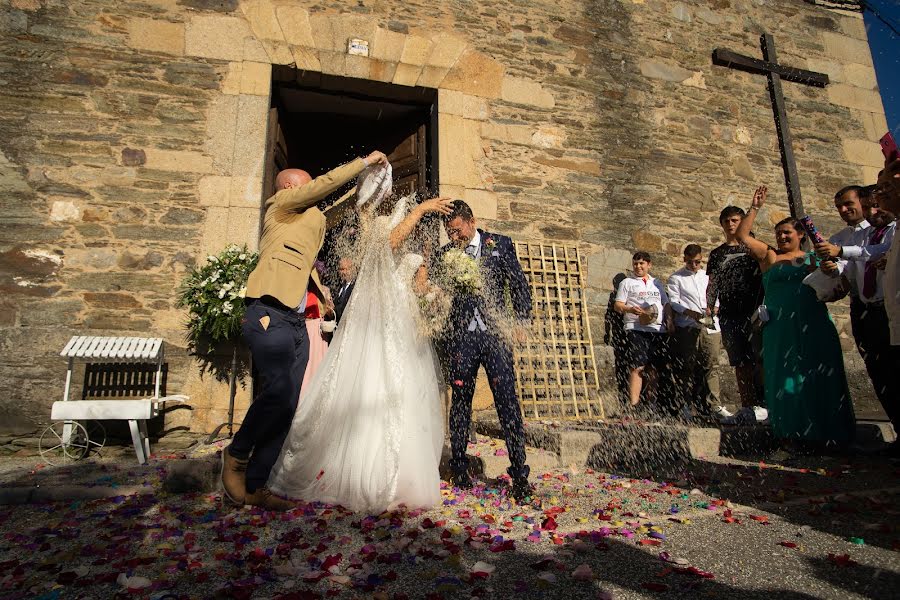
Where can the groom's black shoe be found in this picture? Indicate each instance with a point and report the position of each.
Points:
(521, 490)
(461, 480)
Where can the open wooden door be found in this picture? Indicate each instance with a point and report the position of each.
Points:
(276, 160)
(408, 161)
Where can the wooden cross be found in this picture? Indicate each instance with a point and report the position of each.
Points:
(775, 73)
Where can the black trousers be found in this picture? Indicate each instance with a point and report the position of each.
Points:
(470, 350)
(873, 340)
(280, 353)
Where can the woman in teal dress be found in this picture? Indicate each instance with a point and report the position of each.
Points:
(805, 384)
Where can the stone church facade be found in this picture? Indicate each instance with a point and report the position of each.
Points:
(133, 141)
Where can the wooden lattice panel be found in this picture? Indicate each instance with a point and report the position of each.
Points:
(556, 373)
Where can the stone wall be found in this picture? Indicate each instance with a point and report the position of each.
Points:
(132, 137)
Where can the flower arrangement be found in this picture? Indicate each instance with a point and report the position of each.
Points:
(214, 295)
(434, 309)
(460, 271)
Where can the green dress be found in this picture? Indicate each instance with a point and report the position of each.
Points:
(806, 387)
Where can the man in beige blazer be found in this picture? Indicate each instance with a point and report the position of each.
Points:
(293, 232)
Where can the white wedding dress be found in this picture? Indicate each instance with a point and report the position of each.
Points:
(367, 433)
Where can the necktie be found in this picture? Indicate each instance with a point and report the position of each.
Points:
(870, 277)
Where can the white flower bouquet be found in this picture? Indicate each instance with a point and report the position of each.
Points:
(214, 295)
(461, 271)
(434, 309)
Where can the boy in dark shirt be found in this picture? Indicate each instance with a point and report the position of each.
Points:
(735, 282)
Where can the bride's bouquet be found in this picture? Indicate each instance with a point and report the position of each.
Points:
(460, 271)
(434, 309)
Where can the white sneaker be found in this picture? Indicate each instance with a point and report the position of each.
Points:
(722, 412)
(743, 415)
(760, 413)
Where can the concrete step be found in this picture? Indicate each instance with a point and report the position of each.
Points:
(603, 445)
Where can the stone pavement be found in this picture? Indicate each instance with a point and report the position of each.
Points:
(797, 527)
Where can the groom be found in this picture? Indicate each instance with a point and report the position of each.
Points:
(473, 339)
(273, 327)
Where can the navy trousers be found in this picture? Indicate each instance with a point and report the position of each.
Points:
(280, 353)
(470, 350)
(873, 340)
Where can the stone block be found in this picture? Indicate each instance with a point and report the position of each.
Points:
(245, 192)
(846, 49)
(356, 66)
(250, 135)
(260, 14)
(832, 68)
(277, 53)
(665, 72)
(243, 226)
(854, 97)
(523, 91)
(406, 74)
(853, 26)
(333, 32)
(231, 80)
(214, 190)
(460, 145)
(742, 168)
(483, 203)
(451, 102)
(431, 77)
(306, 59)
(220, 132)
(475, 108)
(256, 79)
(178, 160)
(295, 25)
(476, 74)
(869, 174)
(874, 124)
(332, 63)
(215, 237)
(590, 167)
(512, 134)
(862, 76)
(156, 36)
(863, 152)
(604, 264)
(381, 71)
(416, 50)
(445, 51)
(255, 51)
(387, 45)
(646, 241)
(216, 36)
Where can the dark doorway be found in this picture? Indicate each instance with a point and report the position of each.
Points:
(318, 122)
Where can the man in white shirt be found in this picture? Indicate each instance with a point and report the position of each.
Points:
(645, 306)
(696, 351)
(845, 243)
(869, 318)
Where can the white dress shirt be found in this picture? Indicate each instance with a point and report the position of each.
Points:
(687, 291)
(856, 269)
(850, 236)
(474, 250)
(867, 251)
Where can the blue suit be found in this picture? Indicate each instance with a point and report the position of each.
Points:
(466, 347)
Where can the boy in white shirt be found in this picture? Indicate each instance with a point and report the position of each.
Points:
(696, 352)
(645, 305)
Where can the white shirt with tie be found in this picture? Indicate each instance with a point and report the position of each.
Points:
(474, 250)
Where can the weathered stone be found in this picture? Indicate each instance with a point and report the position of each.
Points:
(646, 241)
(196, 76)
(223, 6)
(179, 160)
(523, 91)
(156, 36)
(112, 300)
(476, 74)
(182, 216)
(658, 70)
(863, 152)
(584, 166)
(741, 167)
(133, 157)
(295, 25)
(214, 36)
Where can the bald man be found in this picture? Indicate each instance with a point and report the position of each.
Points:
(274, 329)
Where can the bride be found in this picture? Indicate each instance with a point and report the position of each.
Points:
(367, 433)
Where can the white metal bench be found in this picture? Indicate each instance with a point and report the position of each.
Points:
(96, 349)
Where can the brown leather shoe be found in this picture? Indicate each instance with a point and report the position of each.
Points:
(234, 478)
(264, 498)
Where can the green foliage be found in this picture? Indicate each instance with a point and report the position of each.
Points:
(214, 295)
